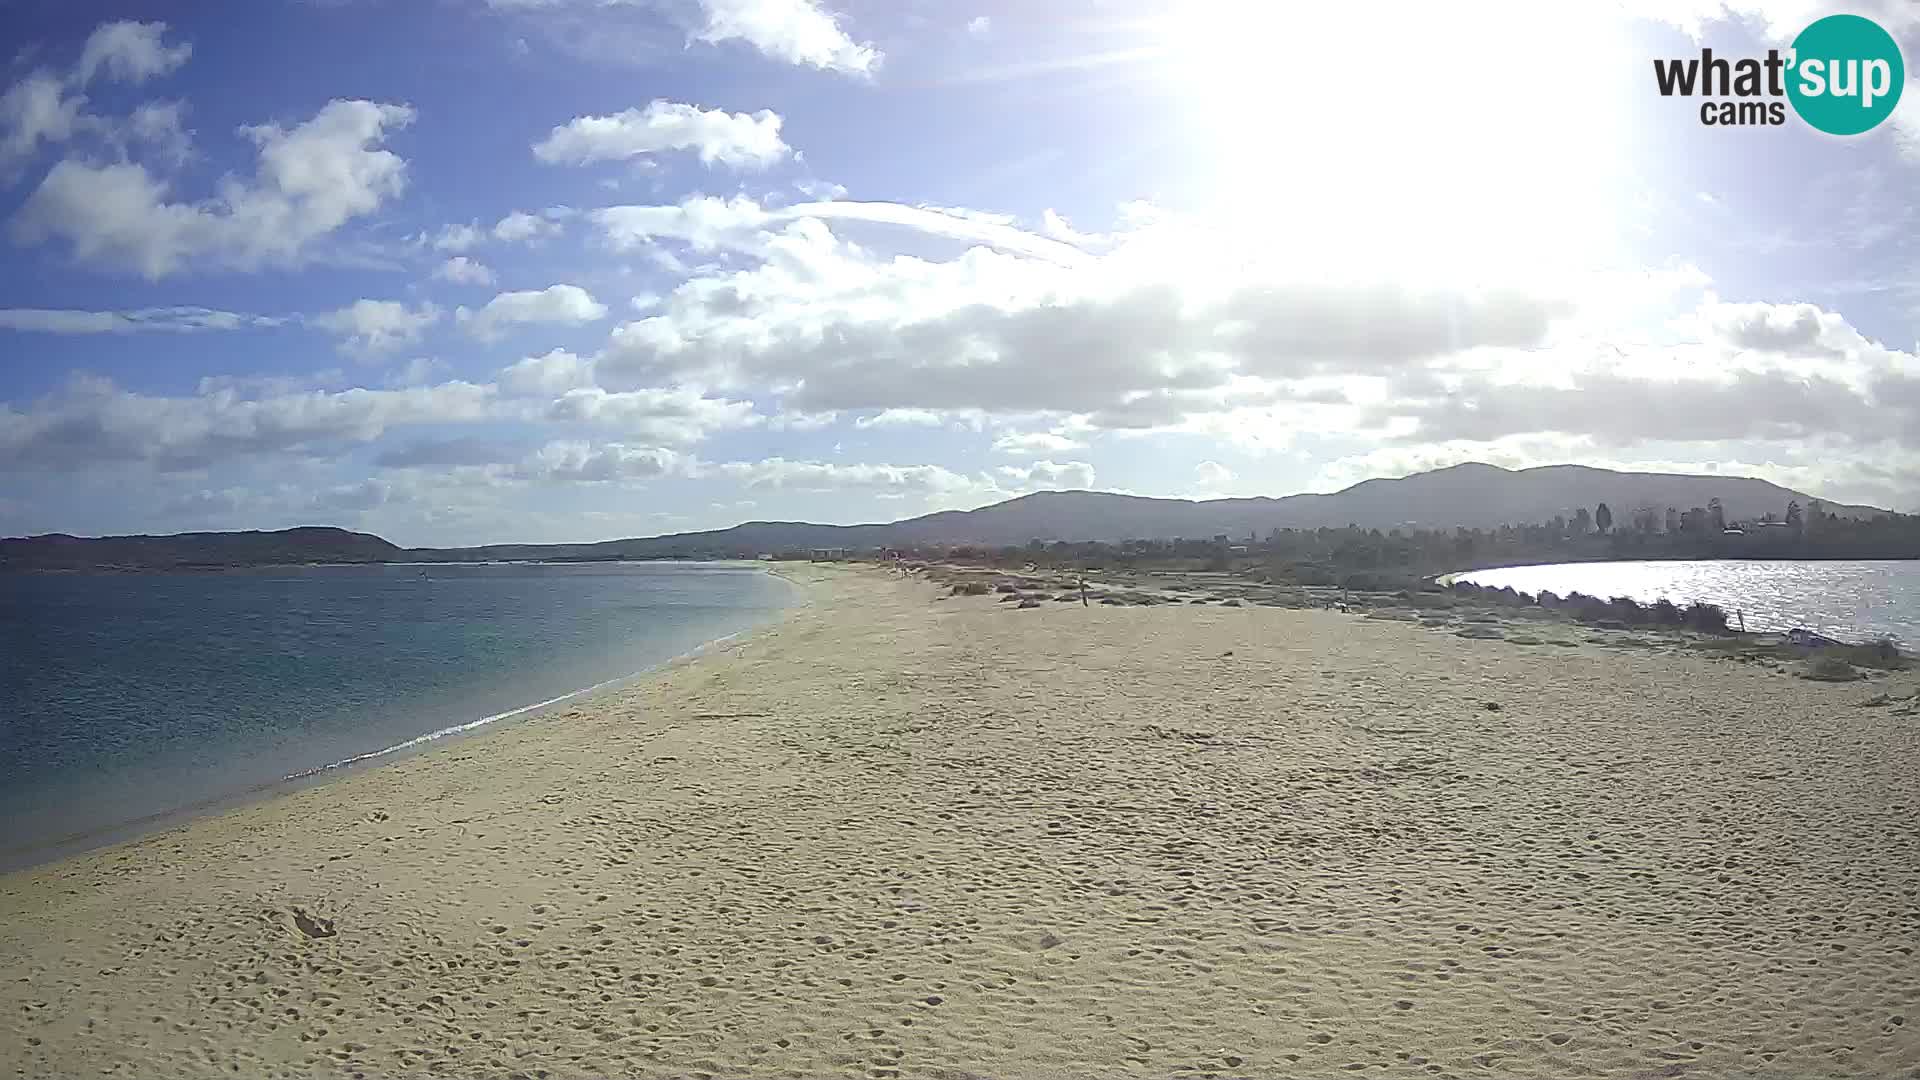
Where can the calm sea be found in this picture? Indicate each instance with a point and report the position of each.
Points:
(1847, 600)
(128, 698)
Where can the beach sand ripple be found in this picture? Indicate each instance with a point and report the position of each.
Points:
(895, 836)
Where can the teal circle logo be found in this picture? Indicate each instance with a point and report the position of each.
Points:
(1847, 75)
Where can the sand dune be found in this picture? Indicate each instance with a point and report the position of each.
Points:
(901, 836)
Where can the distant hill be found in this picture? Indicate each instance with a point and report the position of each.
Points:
(58, 551)
(1473, 495)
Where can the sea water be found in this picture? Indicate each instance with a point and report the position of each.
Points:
(1852, 601)
(130, 699)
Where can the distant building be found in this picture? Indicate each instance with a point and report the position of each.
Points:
(830, 554)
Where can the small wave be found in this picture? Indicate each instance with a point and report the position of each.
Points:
(460, 729)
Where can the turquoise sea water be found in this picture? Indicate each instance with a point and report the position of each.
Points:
(1853, 601)
(128, 698)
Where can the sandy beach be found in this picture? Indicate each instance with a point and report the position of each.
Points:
(905, 834)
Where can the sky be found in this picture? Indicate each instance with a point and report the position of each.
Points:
(473, 271)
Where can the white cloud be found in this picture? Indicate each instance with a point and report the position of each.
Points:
(737, 140)
(34, 110)
(418, 371)
(1211, 476)
(901, 418)
(796, 31)
(309, 181)
(521, 226)
(705, 222)
(373, 327)
(129, 52)
(580, 462)
(1035, 442)
(459, 237)
(547, 376)
(663, 416)
(701, 221)
(895, 480)
(142, 320)
(356, 497)
(1048, 475)
(979, 26)
(91, 421)
(1779, 328)
(1134, 339)
(568, 305)
(462, 270)
(160, 125)
(204, 503)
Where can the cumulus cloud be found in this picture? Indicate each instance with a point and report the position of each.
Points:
(205, 503)
(1035, 442)
(1212, 476)
(891, 480)
(1048, 475)
(521, 226)
(1623, 410)
(832, 328)
(462, 270)
(901, 418)
(418, 371)
(459, 237)
(582, 462)
(706, 223)
(737, 140)
(566, 305)
(795, 31)
(178, 320)
(658, 415)
(373, 327)
(129, 52)
(435, 453)
(1781, 328)
(700, 221)
(37, 109)
(91, 421)
(162, 126)
(547, 376)
(308, 181)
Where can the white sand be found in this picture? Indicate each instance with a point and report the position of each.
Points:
(900, 836)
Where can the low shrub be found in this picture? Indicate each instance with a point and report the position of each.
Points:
(1828, 669)
(1589, 609)
(1627, 610)
(1708, 618)
(1883, 654)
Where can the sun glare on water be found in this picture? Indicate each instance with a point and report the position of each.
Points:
(1468, 140)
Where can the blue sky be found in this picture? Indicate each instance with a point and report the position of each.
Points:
(546, 270)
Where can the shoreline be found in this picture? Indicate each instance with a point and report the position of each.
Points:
(28, 857)
(908, 834)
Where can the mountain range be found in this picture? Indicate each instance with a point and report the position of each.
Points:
(1472, 495)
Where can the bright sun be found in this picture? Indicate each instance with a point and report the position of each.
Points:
(1466, 140)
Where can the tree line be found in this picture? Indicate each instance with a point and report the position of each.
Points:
(1332, 556)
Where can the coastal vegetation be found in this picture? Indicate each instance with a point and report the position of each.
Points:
(1373, 559)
